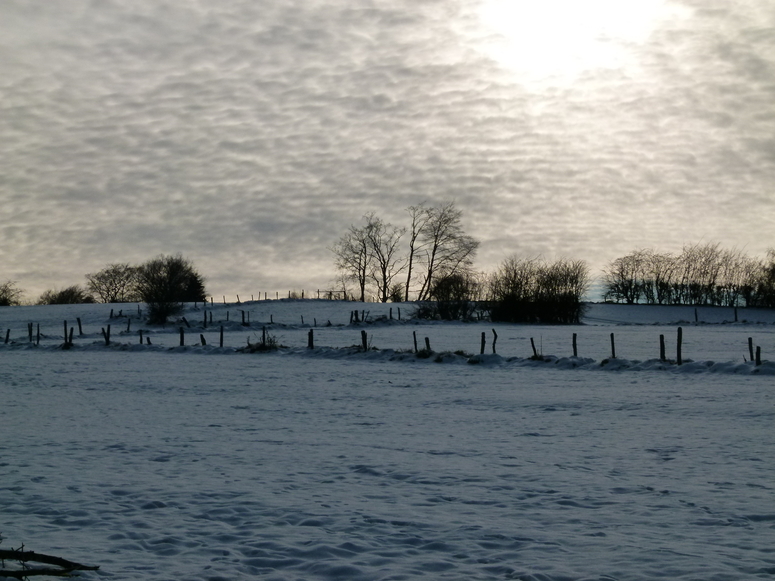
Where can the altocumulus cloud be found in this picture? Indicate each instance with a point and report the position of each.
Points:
(248, 135)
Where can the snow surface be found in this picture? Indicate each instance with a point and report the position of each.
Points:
(198, 462)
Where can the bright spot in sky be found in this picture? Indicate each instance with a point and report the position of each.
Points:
(560, 39)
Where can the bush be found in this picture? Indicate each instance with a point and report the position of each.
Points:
(10, 294)
(72, 295)
(533, 291)
(165, 283)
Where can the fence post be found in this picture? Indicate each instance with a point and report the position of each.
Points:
(141, 336)
(202, 339)
(428, 343)
(575, 350)
(662, 356)
(678, 358)
(80, 328)
(220, 342)
(613, 347)
(414, 335)
(65, 333)
(182, 337)
(494, 340)
(484, 341)
(758, 355)
(7, 336)
(533, 345)
(364, 340)
(128, 324)
(750, 348)
(310, 340)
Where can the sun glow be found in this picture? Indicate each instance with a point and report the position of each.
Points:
(560, 39)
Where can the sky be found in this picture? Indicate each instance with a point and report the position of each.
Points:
(247, 136)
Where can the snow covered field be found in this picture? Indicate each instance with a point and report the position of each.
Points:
(164, 462)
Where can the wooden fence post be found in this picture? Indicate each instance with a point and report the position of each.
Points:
(484, 342)
(65, 333)
(364, 341)
(428, 343)
(141, 336)
(202, 339)
(494, 340)
(662, 356)
(182, 337)
(575, 350)
(758, 355)
(7, 336)
(80, 328)
(29, 330)
(414, 335)
(533, 345)
(220, 342)
(310, 340)
(750, 348)
(613, 347)
(678, 358)
(128, 324)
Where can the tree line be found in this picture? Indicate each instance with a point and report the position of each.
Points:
(164, 283)
(431, 259)
(702, 274)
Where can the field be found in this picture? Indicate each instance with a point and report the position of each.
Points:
(199, 462)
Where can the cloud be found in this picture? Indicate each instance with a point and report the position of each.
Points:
(248, 136)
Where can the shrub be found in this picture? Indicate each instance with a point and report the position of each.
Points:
(10, 294)
(165, 283)
(533, 291)
(72, 295)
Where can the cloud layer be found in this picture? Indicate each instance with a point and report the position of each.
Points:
(248, 137)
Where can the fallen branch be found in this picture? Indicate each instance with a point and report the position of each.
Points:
(23, 557)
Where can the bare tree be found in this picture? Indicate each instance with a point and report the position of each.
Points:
(116, 283)
(353, 258)
(386, 263)
(623, 278)
(10, 294)
(419, 219)
(445, 248)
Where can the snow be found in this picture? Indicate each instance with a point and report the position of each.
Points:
(198, 462)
